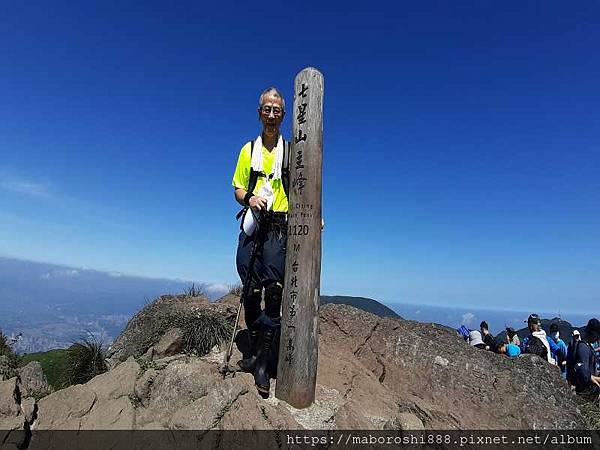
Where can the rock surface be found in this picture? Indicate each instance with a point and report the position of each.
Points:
(33, 380)
(373, 373)
(10, 398)
(171, 343)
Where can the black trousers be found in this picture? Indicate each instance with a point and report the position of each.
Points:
(267, 272)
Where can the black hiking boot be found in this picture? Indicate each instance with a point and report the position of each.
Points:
(249, 364)
(262, 379)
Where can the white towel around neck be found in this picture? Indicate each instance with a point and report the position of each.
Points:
(257, 160)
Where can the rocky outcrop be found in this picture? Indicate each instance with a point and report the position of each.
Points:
(33, 380)
(373, 373)
(10, 398)
(16, 414)
(427, 371)
(104, 402)
(151, 331)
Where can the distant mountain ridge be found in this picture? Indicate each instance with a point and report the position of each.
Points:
(70, 289)
(364, 303)
(565, 329)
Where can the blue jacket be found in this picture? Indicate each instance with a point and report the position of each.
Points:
(554, 346)
(560, 354)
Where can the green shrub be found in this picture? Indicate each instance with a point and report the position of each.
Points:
(55, 364)
(85, 360)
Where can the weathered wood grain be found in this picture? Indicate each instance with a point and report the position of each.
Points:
(298, 352)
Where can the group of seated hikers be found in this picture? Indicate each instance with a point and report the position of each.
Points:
(579, 361)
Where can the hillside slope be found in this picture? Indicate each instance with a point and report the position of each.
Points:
(366, 304)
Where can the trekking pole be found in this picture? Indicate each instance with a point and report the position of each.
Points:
(245, 291)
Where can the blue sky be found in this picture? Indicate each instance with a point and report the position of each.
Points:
(461, 141)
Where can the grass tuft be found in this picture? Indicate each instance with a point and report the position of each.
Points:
(201, 330)
(202, 325)
(85, 360)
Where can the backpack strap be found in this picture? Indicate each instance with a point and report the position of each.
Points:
(253, 174)
(285, 168)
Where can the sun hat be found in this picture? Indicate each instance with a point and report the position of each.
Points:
(475, 338)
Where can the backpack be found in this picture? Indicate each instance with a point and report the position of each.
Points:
(285, 170)
(464, 332)
(536, 347)
(580, 367)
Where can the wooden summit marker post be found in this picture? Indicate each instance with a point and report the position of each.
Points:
(298, 348)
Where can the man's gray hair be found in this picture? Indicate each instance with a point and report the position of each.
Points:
(273, 91)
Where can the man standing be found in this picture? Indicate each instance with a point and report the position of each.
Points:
(581, 362)
(260, 184)
(538, 343)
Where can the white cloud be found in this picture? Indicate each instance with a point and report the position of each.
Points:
(58, 273)
(216, 290)
(25, 187)
(468, 318)
(90, 212)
